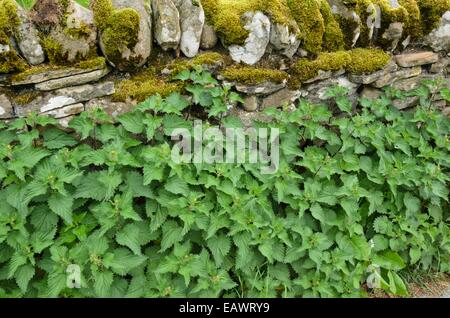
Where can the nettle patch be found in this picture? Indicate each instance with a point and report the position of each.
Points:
(102, 210)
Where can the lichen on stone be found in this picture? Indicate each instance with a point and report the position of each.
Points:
(253, 75)
(431, 12)
(305, 69)
(366, 61)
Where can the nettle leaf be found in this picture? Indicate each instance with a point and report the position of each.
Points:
(102, 283)
(57, 139)
(132, 122)
(177, 185)
(23, 276)
(122, 261)
(175, 104)
(62, 206)
(389, 260)
(171, 234)
(219, 247)
(129, 237)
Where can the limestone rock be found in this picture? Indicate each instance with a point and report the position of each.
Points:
(111, 108)
(64, 112)
(28, 39)
(371, 93)
(446, 111)
(258, 25)
(65, 97)
(72, 80)
(192, 20)
(440, 66)
(251, 103)
(439, 38)
(265, 88)
(167, 24)
(416, 59)
(6, 109)
(405, 103)
(281, 98)
(124, 57)
(390, 78)
(316, 92)
(323, 75)
(393, 34)
(370, 78)
(284, 40)
(209, 37)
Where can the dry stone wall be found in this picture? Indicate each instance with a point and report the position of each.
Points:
(60, 58)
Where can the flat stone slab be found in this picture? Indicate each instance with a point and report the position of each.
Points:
(6, 109)
(416, 59)
(390, 78)
(66, 96)
(65, 111)
(48, 74)
(72, 80)
(370, 78)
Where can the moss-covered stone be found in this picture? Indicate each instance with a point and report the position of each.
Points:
(253, 75)
(366, 61)
(413, 26)
(102, 10)
(121, 31)
(143, 85)
(225, 16)
(333, 38)
(305, 69)
(10, 61)
(431, 12)
(310, 22)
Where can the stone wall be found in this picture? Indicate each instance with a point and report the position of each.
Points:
(61, 58)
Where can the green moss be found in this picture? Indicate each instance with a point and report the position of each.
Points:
(226, 16)
(25, 97)
(252, 75)
(204, 59)
(143, 85)
(310, 21)
(305, 69)
(348, 26)
(53, 50)
(365, 61)
(431, 12)
(414, 24)
(121, 31)
(94, 63)
(102, 10)
(333, 38)
(84, 31)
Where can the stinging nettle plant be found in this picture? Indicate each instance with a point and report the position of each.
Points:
(366, 189)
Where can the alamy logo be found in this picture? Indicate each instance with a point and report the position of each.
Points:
(73, 278)
(229, 145)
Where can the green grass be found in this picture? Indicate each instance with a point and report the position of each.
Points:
(28, 4)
